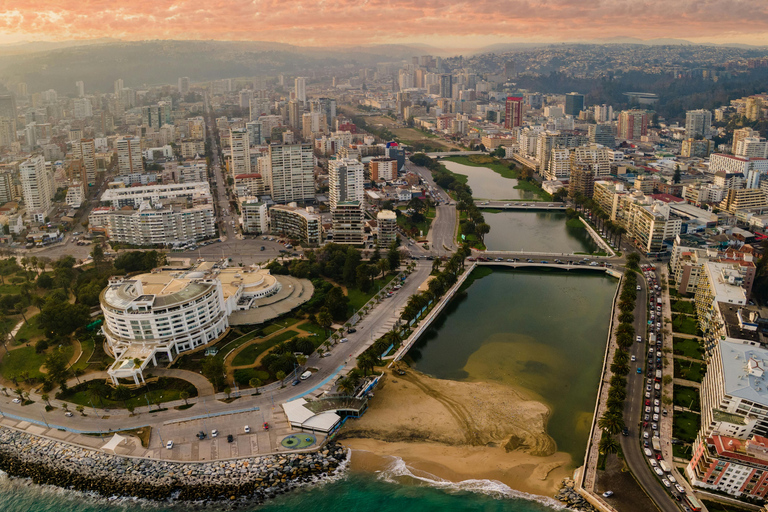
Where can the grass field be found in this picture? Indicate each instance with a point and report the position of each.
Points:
(163, 390)
(687, 397)
(685, 426)
(10, 289)
(358, 298)
(684, 306)
(682, 451)
(687, 347)
(689, 370)
(249, 354)
(684, 324)
(243, 376)
(30, 330)
(25, 359)
(88, 347)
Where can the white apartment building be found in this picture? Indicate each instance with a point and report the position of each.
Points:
(241, 152)
(386, 221)
(737, 164)
(7, 188)
(752, 147)
(383, 168)
(249, 185)
(195, 193)
(37, 188)
(703, 193)
(292, 172)
(82, 108)
(156, 224)
(698, 123)
(559, 166)
(345, 181)
(129, 155)
(300, 88)
(85, 151)
(253, 215)
(75, 195)
(594, 155)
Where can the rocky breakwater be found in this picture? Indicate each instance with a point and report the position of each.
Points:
(46, 461)
(575, 501)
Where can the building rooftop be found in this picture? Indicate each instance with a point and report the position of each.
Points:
(744, 371)
(726, 282)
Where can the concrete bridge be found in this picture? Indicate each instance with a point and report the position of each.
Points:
(455, 153)
(561, 266)
(519, 205)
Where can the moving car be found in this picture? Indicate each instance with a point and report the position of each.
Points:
(607, 494)
(247, 429)
(169, 444)
(214, 433)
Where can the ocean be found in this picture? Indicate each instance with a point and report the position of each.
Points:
(394, 489)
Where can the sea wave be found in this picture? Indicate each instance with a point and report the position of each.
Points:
(399, 469)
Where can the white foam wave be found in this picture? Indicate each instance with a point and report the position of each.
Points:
(398, 469)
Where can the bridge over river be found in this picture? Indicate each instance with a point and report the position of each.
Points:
(519, 205)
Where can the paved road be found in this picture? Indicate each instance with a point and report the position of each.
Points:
(442, 234)
(633, 413)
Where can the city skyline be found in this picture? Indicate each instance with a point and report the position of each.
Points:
(447, 23)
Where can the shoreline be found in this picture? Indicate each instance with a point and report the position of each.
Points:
(250, 480)
(459, 431)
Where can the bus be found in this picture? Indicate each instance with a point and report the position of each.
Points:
(693, 503)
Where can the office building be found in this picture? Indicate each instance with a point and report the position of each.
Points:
(633, 124)
(80, 88)
(345, 181)
(300, 88)
(383, 168)
(387, 225)
(574, 103)
(698, 123)
(291, 172)
(602, 134)
(129, 155)
(37, 188)
(296, 223)
(241, 152)
(513, 112)
(348, 223)
(253, 215)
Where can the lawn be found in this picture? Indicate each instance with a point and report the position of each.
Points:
(313, 329)
(31, 329)
(249, 354)
(422, 228)
(687, 347)
(685, 426)
(358, 298)
(685, 324)
(682, 450)
(713, 506)
(163, 390)
(689, 370)
(10, 289)
(687, 397)
(88, 346)
(684, 306)
(25, 359)
(244, 375)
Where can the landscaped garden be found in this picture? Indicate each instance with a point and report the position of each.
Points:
(687, 397)
(684, 306)
(685, 324)
(685, 426)
(688, 347)
(689, 370)
(96, 393)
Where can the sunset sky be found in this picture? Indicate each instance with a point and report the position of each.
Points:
(447, 23)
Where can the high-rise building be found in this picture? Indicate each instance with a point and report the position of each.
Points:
(82, 108)
(740, 134)
(129, 155)
(582, 180)
(21, 89)
(241, 153)
(509, 69)
(294, 114)
(183, 85)
(513, 112)
(85, 151)
(7, 190)
(348, 223)
(387, 225)
(119, 85)
(253, 215)
(446, 85)
(603, 113)
(754, 108)
(300, 88)
(8, 110)
(156, 115)
(574, 103)
(255, 136)
(291, 172)
(383, 168)
(345, 181)
(752, 147)
(602, 134)
(37, 188)
(327, 106)
(80, 88)
(633, 124)
(698, 123)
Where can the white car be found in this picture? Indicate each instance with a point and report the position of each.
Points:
(634, 358)
(666, 482)
(16, 401)
(68, 414)
(169, 444)
(343, 340)
(214, 433)
(247, 429)
(606, 494)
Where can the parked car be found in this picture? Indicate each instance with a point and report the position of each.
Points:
(230, 438)
(247, 429)
(169, 444)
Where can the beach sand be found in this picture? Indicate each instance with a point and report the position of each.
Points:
(458, 431)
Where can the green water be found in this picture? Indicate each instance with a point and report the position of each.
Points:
(356, 492)
(487, 184)
(541, 331)
(543, 232)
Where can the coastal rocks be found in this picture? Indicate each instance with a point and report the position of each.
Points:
(46, 461)
(573, 499)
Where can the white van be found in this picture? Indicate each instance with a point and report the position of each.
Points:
(307, 374)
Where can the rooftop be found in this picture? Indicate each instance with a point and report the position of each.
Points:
(743, 375)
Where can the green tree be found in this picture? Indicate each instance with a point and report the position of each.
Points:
(612, 423)
(184, 395)
(677, 176)
(80, 409)
(213, 369)
(324, 319)
(56, 366)
(393, 256)
(122, 394)
(255, 383)
(608, 444)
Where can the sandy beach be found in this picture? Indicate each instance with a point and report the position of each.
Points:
(458, 431)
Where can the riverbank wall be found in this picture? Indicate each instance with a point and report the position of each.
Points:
(251, 479)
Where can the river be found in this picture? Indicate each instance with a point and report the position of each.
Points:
(531, 231)
(542, 332)
(487, 184)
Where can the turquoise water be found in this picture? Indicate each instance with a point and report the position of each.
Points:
(356, 492)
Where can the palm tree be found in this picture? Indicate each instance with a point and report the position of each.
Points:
(621, 357)
(80, 409)
(608, 444)
(612, 423)
(367, 361)
(615, 404)
(255, 383)
(616, 392)
(347, 385)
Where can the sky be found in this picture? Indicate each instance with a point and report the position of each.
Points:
(442, 23)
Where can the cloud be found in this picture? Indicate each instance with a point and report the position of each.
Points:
(315, 22)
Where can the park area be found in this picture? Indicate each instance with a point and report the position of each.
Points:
(689, 370)
(685, 324)
(688, 347)
(685, 426)
(687, 398)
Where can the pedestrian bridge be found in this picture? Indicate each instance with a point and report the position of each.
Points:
(519, 205)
